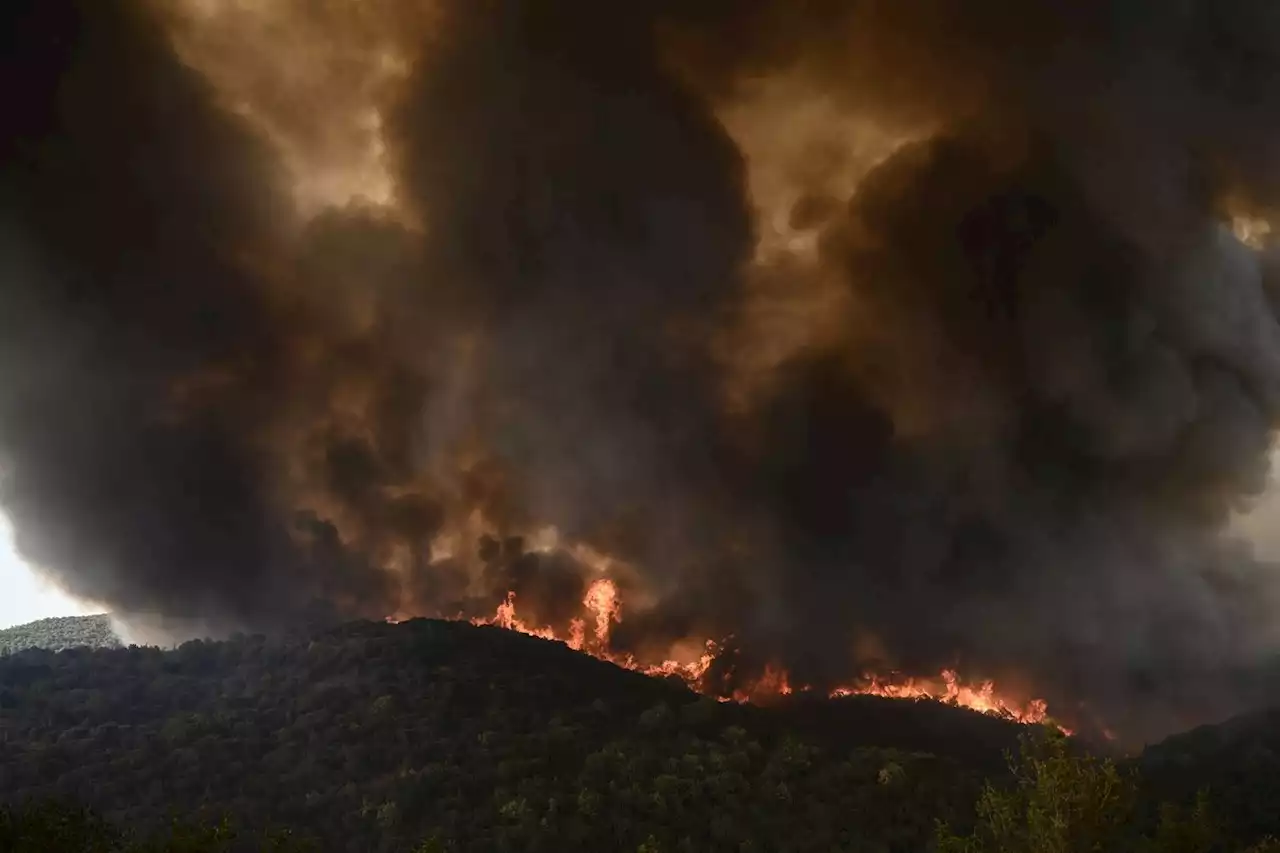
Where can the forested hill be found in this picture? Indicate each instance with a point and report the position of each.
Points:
(376, 737)
(61, 632)
(1238, 760)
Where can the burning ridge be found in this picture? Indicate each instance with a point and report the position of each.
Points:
(708, 666)
(602, 602)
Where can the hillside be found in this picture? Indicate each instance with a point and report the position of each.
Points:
(61, 632)
(1239, 760)
(376, 737)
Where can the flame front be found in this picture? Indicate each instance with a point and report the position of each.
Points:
(949, 688)
(603, 604)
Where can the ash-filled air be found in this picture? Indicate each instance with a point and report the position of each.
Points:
(889, 335)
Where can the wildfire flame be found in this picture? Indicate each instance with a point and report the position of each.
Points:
(949, 688)
(603, 606)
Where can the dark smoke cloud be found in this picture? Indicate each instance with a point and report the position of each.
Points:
(1030, 449)
(591, 210)
(1060, 370)
(1052, 376)
(133, 212)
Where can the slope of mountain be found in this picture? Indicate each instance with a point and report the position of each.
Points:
(378, 737)
(1238, 762)
(60, 632)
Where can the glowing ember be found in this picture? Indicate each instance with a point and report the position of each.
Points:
(604, 606)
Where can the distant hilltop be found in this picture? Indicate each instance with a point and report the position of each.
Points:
(60, 632)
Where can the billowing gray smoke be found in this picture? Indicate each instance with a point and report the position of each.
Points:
(1050, 373)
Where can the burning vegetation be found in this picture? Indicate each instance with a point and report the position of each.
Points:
(603, 605)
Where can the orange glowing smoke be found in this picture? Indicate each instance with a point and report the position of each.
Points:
(602, 603)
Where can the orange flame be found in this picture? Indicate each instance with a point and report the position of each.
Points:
(603, 603)
(774, 681)
(506, 617)
(602, 600)
(949, 689)
(691, 673)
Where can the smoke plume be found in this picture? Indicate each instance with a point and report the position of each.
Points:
(872, 334)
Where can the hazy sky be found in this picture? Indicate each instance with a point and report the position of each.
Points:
(23, 596)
